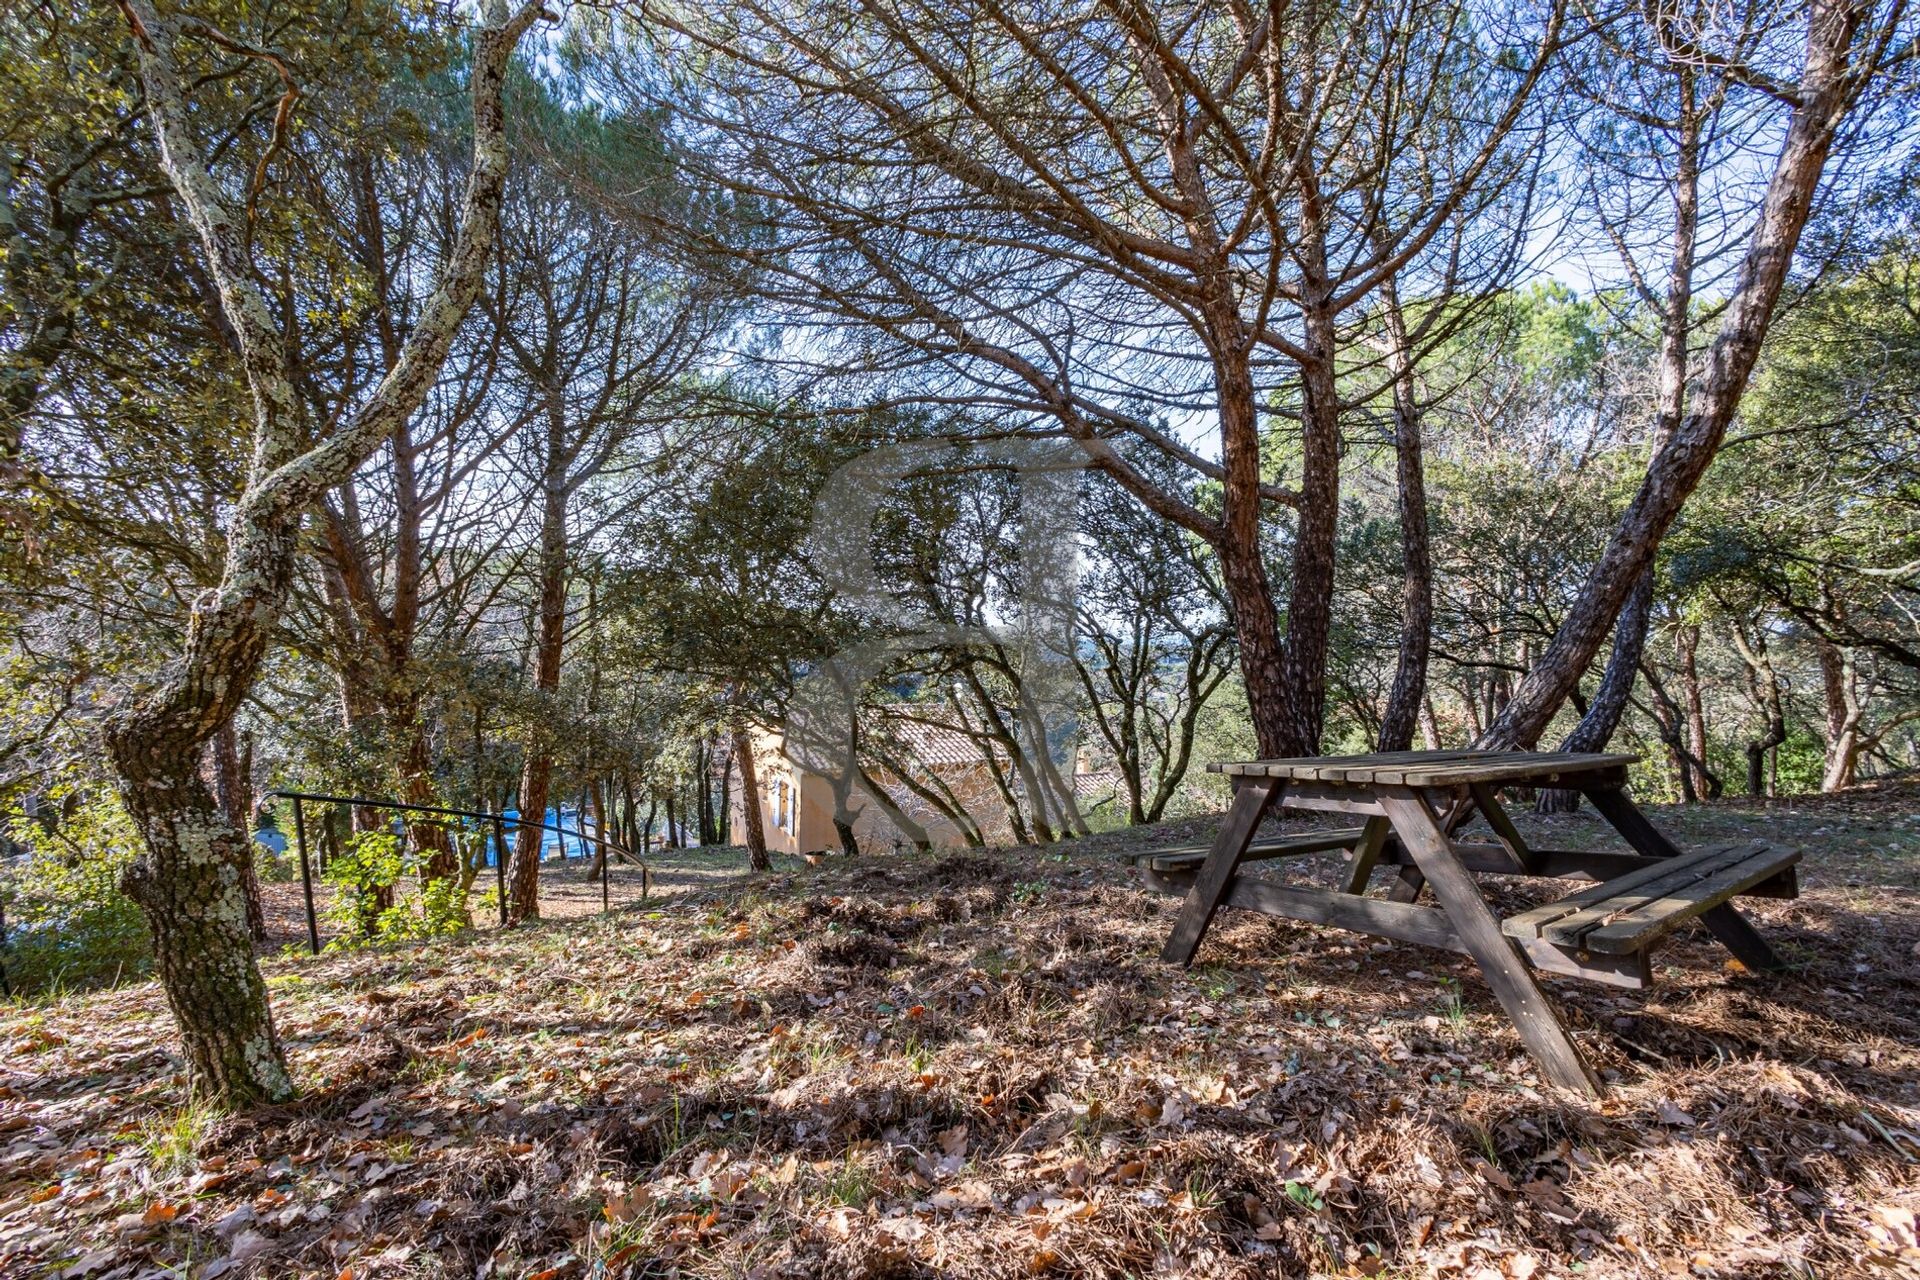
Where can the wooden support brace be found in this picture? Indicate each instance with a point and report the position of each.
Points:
(1360, 864)
(1501, 962)
(1252, 798)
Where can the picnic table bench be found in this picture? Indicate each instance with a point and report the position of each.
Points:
(1414, 805)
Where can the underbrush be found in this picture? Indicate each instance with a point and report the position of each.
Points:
(976, 1066)
(68, 926)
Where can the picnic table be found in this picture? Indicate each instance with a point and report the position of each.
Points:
(1415, 805)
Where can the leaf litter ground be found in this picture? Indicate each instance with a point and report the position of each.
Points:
(975, 1065)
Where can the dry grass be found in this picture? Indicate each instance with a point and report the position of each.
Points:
(975, 1065)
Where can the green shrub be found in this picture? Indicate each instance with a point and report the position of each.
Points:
(68, 924)
(370, 903)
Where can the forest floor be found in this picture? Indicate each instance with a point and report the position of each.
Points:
(975, 1065)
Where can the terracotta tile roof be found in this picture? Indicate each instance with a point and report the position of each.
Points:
(933, 744)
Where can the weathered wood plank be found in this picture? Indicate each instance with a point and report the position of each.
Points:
(1597, 900)
(1632, 972)
(1366, 854)
(1172, 859)
(1327, 797)
(1554, 864)
(1313, 905)
(1501, 961)
(1433, 768)
(1638, 926)
(1421, 926)
(1251, 799)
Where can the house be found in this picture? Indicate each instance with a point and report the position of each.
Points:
(797, 803)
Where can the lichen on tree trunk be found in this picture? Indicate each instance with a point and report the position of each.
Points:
(191, 887)
(189, 879)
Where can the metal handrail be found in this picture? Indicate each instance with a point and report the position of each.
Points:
(498, 822)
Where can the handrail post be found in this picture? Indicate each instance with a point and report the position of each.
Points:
(500, 863)
(306, 874)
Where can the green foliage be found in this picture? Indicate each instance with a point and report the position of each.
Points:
(68, 924)
(371, 904)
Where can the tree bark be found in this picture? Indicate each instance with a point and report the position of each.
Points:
(1609, 703)
(1405, 700)
(233, 792)
(757, 857)
(916, 834)
(1844, 715)
(1828, 89)
(536, 775)
(189, 880)
(1764, 687)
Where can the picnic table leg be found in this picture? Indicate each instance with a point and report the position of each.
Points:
(1724, 921)
(1504, 831)
(1366, 853)
(1407, 885)
(1500, 961)
(1739, 937)
(1624, 816)
(1252, 797)
(1410, 882)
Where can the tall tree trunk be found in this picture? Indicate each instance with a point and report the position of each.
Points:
(1686, 643)
(1764, 687)
(757, 857)
(536, 774)
(1843, 738)
(1429, 725)
(1828, 89)
(1407, 698)
(709, 823)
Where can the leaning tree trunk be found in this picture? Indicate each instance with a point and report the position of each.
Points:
(750, 802)
(915, 834)
(1829, 88)
(189, 878)
(1609, 703)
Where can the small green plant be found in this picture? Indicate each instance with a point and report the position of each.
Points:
(1028, 891)
(918, 1056)
(1303, 1194)
(1483, 1138)
(852, 1184)
(370, 904)
(171, 1141)
(68, 926)
(1215, 982)
(1452, 1007)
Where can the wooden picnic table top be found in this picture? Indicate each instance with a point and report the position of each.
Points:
(1430, 768)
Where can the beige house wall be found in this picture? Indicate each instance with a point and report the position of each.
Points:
(796, 807)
